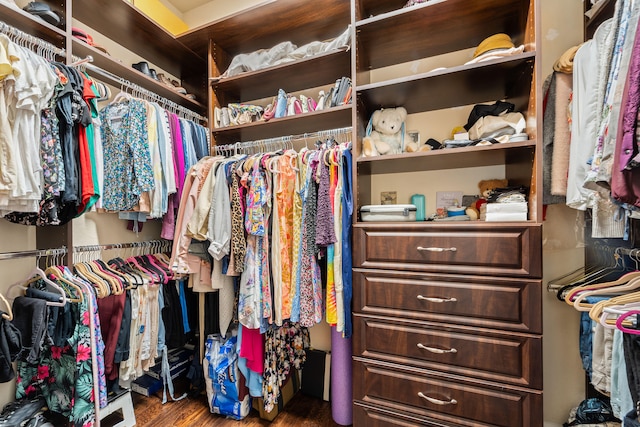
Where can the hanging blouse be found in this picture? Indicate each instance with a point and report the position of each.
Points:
(127, 166)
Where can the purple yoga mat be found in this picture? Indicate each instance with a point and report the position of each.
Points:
(341, 385)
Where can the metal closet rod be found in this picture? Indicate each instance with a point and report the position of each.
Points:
(13, 32)
(34, 253)
(283, 139)
(145, 244)
(117, 80)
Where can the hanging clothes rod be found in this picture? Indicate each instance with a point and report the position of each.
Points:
(268, 144)
(152, 96)
(30, 41)
(34, 253)
(146, 244)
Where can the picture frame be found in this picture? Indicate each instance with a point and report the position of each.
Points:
(414, 136)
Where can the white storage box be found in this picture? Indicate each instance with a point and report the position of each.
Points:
(388, 213)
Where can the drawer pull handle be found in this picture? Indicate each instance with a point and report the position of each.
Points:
(437, 401)
(433, 249)
(436, 350)
(433, 299)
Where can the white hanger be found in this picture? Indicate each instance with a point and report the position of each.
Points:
(37, 272)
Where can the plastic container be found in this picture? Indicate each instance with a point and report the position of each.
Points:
(388, 213)
(418, 201)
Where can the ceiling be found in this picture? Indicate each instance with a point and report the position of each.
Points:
(186, 5)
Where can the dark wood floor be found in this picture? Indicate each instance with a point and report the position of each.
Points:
(302, 411)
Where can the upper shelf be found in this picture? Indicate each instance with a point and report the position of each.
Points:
(32, 25)
(126, 72)
(331, 118)
(434, 28)
(269, 23)
(461, 85)
(316, 71)
(448, 158)
(129, 27)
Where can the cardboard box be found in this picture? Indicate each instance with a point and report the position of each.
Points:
(290, 387)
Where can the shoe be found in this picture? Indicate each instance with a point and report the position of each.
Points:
(312, 104)
(320, 105)
(15, 414)
(281, 106)
(270, 110)
(291, 106)
(191, 96)
(44, 12)
(143, 67)
(225, 120)
(38, 421)
(178, 88)
(153, 74)
(217, 113)
(304, 103)
(165, 80)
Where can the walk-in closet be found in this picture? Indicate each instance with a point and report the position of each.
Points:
(320, 213)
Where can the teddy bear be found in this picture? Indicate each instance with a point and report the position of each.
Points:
(387, 132)
(486, 186)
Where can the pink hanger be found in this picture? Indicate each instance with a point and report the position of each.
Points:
(622, 317)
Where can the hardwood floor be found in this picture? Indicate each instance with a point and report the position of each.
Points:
(302, 410)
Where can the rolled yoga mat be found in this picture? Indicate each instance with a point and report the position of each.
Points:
(341, 385)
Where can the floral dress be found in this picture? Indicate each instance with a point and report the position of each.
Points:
(127, 159)
(64, 374)
(284, 347)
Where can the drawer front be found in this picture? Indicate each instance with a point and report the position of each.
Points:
(492, 302)
(429, 396)
(496, 251)
(365, 416)
(504, 358)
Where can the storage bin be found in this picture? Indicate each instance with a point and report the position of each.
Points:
(389, 213)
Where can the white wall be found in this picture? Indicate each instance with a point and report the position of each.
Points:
(564, 378)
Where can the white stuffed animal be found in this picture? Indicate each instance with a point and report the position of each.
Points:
(387, 134)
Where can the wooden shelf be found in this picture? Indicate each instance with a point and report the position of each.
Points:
(434, 28)
(129, 27)
(461, 85)
(467, 225)
(32, 25)
(449, 158)
(332, 118)
(312, 72)
(269, 23)
(125, 71)
(603, 12)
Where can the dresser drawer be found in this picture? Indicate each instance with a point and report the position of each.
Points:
(367, 416)
(431, 396)
(503, 358)
(500, 250)
(491, 302)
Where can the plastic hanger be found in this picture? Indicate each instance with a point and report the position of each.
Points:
(630, 285)
(9, 314)
(592, 284)
(623, 317)
(59, 275)
(38, 274)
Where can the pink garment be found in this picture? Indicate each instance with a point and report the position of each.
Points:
(252, 349)
(178, 153)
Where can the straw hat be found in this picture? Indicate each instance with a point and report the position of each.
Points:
(496, 41)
